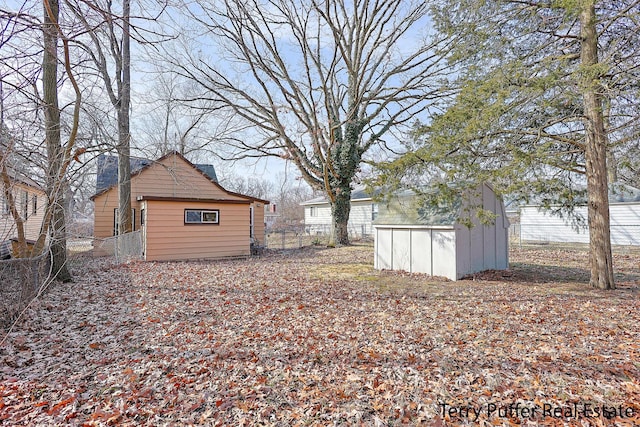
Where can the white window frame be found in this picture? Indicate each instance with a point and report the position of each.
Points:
(203, 216)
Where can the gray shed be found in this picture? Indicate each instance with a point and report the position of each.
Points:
(418, 238)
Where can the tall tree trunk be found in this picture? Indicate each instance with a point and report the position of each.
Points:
(55, 153)
(344, 161)
(596, 154)
(340, 209)
(124, 136)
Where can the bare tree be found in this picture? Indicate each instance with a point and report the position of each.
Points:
(289, 195)
(110, 52)
(20, 65)
(36, 116)
(170, 123)
(59, 156)
(320, 82)
(250, 186)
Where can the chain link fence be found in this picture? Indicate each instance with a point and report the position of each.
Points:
(21, 280)
(356, 231)
(301, 237)
(294, 239)
(123, 247)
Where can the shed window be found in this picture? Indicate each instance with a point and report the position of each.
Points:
(374, 211)
(35, 204)
(313, 211)
(199, 216)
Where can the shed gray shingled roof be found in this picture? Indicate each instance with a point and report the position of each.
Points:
(407, 208)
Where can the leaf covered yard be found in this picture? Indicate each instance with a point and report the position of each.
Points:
(317, 337)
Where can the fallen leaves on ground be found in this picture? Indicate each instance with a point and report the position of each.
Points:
(317, 337)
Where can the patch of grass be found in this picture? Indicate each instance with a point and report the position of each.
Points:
(348, 272)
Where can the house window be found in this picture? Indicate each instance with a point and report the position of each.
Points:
(374, 211)
(313, 211)
(34, 204)
(200, 216)
(116, 223)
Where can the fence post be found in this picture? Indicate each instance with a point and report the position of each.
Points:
(116, 248)
(520, 234)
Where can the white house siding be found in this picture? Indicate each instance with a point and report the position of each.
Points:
(360, 218)
(317, 219)
(401, 250)
(32, 218)
(540, 226)
(467, 259)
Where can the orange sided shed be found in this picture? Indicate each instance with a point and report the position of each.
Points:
(188, 228)
(183, 213)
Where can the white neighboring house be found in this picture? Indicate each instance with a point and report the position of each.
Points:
(538, 225)
(30, 200)
(317, 214)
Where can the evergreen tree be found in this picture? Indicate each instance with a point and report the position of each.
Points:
(547, 94)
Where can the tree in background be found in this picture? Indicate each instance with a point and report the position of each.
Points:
(168, 122)
(284, 193)
(110, 52)
(321, 83)
(549, 91)
(254, 187)
(287, 198)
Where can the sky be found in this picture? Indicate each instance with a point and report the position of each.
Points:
(146, 117)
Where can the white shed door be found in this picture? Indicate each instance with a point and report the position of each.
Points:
(402, 250)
